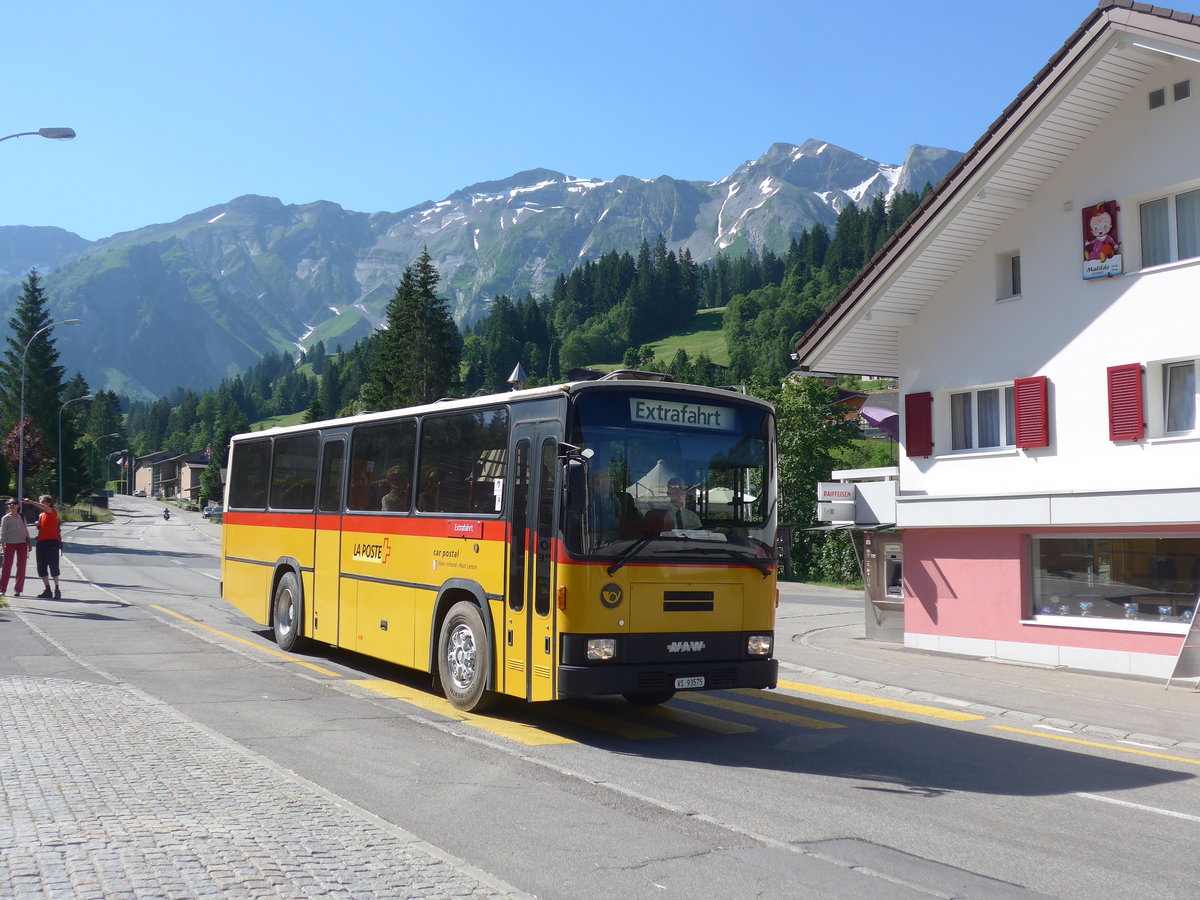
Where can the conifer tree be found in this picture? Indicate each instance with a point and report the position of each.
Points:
(43, 377)
(416, 357)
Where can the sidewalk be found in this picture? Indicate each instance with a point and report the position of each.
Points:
(109, 793)
(820, 637)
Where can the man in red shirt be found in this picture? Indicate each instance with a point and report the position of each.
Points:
(49, 545)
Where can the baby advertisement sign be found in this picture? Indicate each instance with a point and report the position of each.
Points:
(1101, 241)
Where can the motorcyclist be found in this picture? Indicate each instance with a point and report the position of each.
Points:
(166, 514)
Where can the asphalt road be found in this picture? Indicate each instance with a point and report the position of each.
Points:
(731, 794)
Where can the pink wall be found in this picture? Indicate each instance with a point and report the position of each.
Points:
(975, 582)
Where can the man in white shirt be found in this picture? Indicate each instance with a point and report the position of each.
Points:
(681, 516)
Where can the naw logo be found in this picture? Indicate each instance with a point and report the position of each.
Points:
(685, 646)
(373, 552)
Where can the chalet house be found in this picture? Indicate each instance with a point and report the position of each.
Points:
(1040, 312)
(170, 475)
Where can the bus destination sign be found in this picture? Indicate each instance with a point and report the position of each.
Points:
(687, 415)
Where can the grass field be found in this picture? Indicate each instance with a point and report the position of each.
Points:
(701, 335)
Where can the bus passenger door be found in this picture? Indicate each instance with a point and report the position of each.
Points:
(529, 645)
(324, 605)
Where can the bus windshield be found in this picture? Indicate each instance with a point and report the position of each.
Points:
(669, 478)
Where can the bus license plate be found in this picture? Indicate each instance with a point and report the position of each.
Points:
(692, 681)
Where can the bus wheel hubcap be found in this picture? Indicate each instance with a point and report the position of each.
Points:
(460, 656)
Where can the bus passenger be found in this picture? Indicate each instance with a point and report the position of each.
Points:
(396, 500)
(612, 512)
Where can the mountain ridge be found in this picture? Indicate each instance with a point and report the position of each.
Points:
(190, 302)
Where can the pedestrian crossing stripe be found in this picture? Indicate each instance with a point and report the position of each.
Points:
(935, 712)
(761, 712)
(832, 709)
(697, 720)
(591, 718)
(530, 735)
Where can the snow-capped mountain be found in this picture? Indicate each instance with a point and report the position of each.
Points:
(196, 300)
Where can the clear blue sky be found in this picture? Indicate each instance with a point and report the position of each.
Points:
(380, 105)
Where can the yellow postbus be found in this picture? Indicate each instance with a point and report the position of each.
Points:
(614, 536)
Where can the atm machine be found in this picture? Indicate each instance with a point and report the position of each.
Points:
(883, 578)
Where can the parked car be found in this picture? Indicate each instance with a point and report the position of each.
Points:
(139, 493)
(213, 510)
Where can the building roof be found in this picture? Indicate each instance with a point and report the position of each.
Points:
(1097, 67)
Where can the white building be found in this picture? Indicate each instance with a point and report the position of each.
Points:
(1049, 477)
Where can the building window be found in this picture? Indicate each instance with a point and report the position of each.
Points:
(1008, 276)
(1170, 223)
(1179, 397)
(1158, 98)
(1181, 90)
(1144, 578)
(982, 419)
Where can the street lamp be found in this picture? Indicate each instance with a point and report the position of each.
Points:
(95, 441)
(21, 427)
(61, 499)
(55, 134)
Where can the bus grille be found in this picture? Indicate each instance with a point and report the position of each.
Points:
(687, 601)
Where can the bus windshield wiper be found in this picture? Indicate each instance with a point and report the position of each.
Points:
(633, 550)
(727, 551)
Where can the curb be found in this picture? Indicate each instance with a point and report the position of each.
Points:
(997, 712)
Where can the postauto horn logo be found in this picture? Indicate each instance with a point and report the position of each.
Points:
(610, 595)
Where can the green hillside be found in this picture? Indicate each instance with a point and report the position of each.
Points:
(702, 335)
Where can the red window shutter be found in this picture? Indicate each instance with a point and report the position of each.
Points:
(1126, 421)
(1032, 412)
(918, 424)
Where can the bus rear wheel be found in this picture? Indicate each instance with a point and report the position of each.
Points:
(464, 658)
(648, 698)
(286, 609)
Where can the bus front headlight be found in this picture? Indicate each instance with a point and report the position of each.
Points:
(601, 648)
(760, 644)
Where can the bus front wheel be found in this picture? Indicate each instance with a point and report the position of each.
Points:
(286, 618)
(464, 658)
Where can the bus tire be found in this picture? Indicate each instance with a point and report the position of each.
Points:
(286, 613)
(464, 658)
(648, 698)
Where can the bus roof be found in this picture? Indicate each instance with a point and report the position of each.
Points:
(628, 379)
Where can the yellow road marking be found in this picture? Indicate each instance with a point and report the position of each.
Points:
(818, 706)
(601, 722)
(750, 709)
(950, 715)
(1067, 740)
(270, 651)
(699, 720)
(525, 734)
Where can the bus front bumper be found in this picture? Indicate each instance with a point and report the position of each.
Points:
(708, 675)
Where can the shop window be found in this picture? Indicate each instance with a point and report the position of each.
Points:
(1142, 578)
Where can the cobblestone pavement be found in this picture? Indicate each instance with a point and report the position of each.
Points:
(109, 794)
